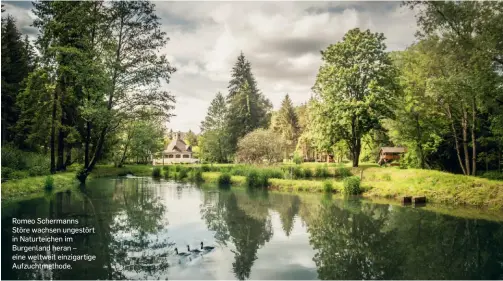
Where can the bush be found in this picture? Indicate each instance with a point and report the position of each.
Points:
(156, 172)
(49, 183)
(493, 175)
(166, 172)
(205, 168)
(321, 172)
(343, 172)
(259, 146)
(224, 179)
(297, 159)
(297, 172)
(6, 173)
(351, 185)
(328, 187)
(308, 173)
(15, 175)
(182, 172)
(256, 179)
(196, 174)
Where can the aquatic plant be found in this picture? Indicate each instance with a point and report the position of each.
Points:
(351, 185)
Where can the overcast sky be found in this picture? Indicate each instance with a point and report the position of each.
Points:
(282, 40)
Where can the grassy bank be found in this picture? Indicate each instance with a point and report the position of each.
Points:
(33, 186)
(376, 182)
(439, 187)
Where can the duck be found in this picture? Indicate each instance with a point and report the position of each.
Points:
(183, 254)
(206, 248)
(195, 251)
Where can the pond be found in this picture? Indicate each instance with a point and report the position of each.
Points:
(257, 235)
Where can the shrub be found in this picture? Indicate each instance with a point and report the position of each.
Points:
(156, 172)
(166, 172)
(224, 179)
(328, 187)
(351, 185)
(6, 173)
(15, 175)
(297, 172)
(256, 179)
(308, 173)
(343, 172)
(205, 168)
(35, 164)
(297, 159)
(182, 172)
(196, 174)
(492, 175)
(49, 183)
(321, 172)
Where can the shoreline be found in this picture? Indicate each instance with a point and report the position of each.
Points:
(386, 184)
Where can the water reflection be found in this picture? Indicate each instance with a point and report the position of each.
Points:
(367, 241)
(258, 235)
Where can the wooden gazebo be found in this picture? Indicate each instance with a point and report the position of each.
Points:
(390, 154)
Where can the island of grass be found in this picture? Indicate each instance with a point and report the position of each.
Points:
(369, 180)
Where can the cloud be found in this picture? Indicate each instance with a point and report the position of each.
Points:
(282, 40)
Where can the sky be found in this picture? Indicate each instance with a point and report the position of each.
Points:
(282, 41)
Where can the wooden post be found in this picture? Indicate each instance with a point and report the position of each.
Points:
(406, 200)
(420, 200)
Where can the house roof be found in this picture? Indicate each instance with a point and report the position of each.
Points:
(178, 145)
(393, 149)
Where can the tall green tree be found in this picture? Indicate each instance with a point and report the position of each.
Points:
(248, 109)
(17, 62)
(355, 88)
(286, 123)
(214, 142)
(136, 70)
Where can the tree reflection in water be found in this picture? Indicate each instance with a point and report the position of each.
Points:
(370, 241)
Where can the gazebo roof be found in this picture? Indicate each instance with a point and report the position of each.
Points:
(390, 149)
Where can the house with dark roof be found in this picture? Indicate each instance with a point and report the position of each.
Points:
(177, 151)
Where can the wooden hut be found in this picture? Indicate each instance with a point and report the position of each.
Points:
(390, 154)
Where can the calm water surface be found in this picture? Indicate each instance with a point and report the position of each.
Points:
(139, 222)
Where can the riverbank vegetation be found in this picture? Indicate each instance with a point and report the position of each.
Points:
(441, 98)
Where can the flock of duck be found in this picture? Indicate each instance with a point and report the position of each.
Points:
(204, 249)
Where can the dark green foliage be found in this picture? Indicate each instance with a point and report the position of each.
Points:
(321, 172)
(493, 175)
(205, 168)
(224, 179)
(183, 172)
(30, 163)
(297, 159)
(196, 174)
(257, 179)
(156, 172)
(351, 185)
(297, 172)
(342, 172)
(328, 187)
(166, 172)
(308, 173)
(49, 183)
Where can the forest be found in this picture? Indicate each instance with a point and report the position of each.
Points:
(88, 91)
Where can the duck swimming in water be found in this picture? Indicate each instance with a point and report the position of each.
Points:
(195, 251)
(206, 248)
(183, 254)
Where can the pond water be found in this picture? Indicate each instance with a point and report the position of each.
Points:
(256, 235)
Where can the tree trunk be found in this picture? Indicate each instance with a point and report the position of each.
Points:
(474, 144)
(449, 115)
(53, 131)
(464, 125)
(419, 141)
(61, 150)
(68, 160)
